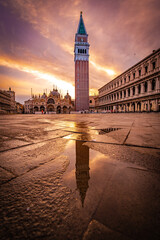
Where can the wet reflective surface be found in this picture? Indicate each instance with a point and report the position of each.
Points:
(79, 177)
(82, 167)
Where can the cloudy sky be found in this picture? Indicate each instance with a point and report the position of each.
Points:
(37, 41)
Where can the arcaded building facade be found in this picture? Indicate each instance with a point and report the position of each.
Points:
(51, 103)
(135, 90)
(81, 58)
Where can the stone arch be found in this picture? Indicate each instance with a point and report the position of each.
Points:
(133, 107)
(139, 106)
(36, 109)
(65, 110)
(50, 108)
(50, 101)
(58, 109)
(42, 108)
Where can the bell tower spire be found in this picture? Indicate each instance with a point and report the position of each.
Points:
(81, 58)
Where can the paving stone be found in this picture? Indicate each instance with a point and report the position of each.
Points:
(56, 188)
(97, 231)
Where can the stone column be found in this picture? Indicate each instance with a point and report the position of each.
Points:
(125, 107)
(142, 88)
(136, 109)
(149, 109)
(122, 94)
(136, 90)
(130, 107)
(142, 106)
(126, 93)
(131, 92)
(157, 84)
(156, 105)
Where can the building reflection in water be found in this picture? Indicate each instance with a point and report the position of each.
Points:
(82, 169)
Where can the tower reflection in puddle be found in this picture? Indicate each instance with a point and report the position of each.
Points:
(82, 169)
(81, 163)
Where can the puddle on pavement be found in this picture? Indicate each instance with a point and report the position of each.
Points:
(86, 171)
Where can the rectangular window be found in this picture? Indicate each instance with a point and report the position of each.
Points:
(139, 72)
(129, 78)
(124, 80)
(146, 69)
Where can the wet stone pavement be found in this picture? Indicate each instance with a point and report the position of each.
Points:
(80, 176)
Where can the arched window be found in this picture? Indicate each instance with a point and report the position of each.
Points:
(153, 65)
(128, 92)
(153, 84)
(134, 75)
(145, 86)
(133, 91)
(146, 69)
(129, 78)
(139, 88)
(50, 101)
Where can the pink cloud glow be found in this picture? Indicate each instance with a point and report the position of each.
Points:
(37, 38)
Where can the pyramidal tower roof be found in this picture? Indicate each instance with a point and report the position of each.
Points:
(81, 28)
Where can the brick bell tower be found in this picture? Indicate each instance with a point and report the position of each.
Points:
(81, 58)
